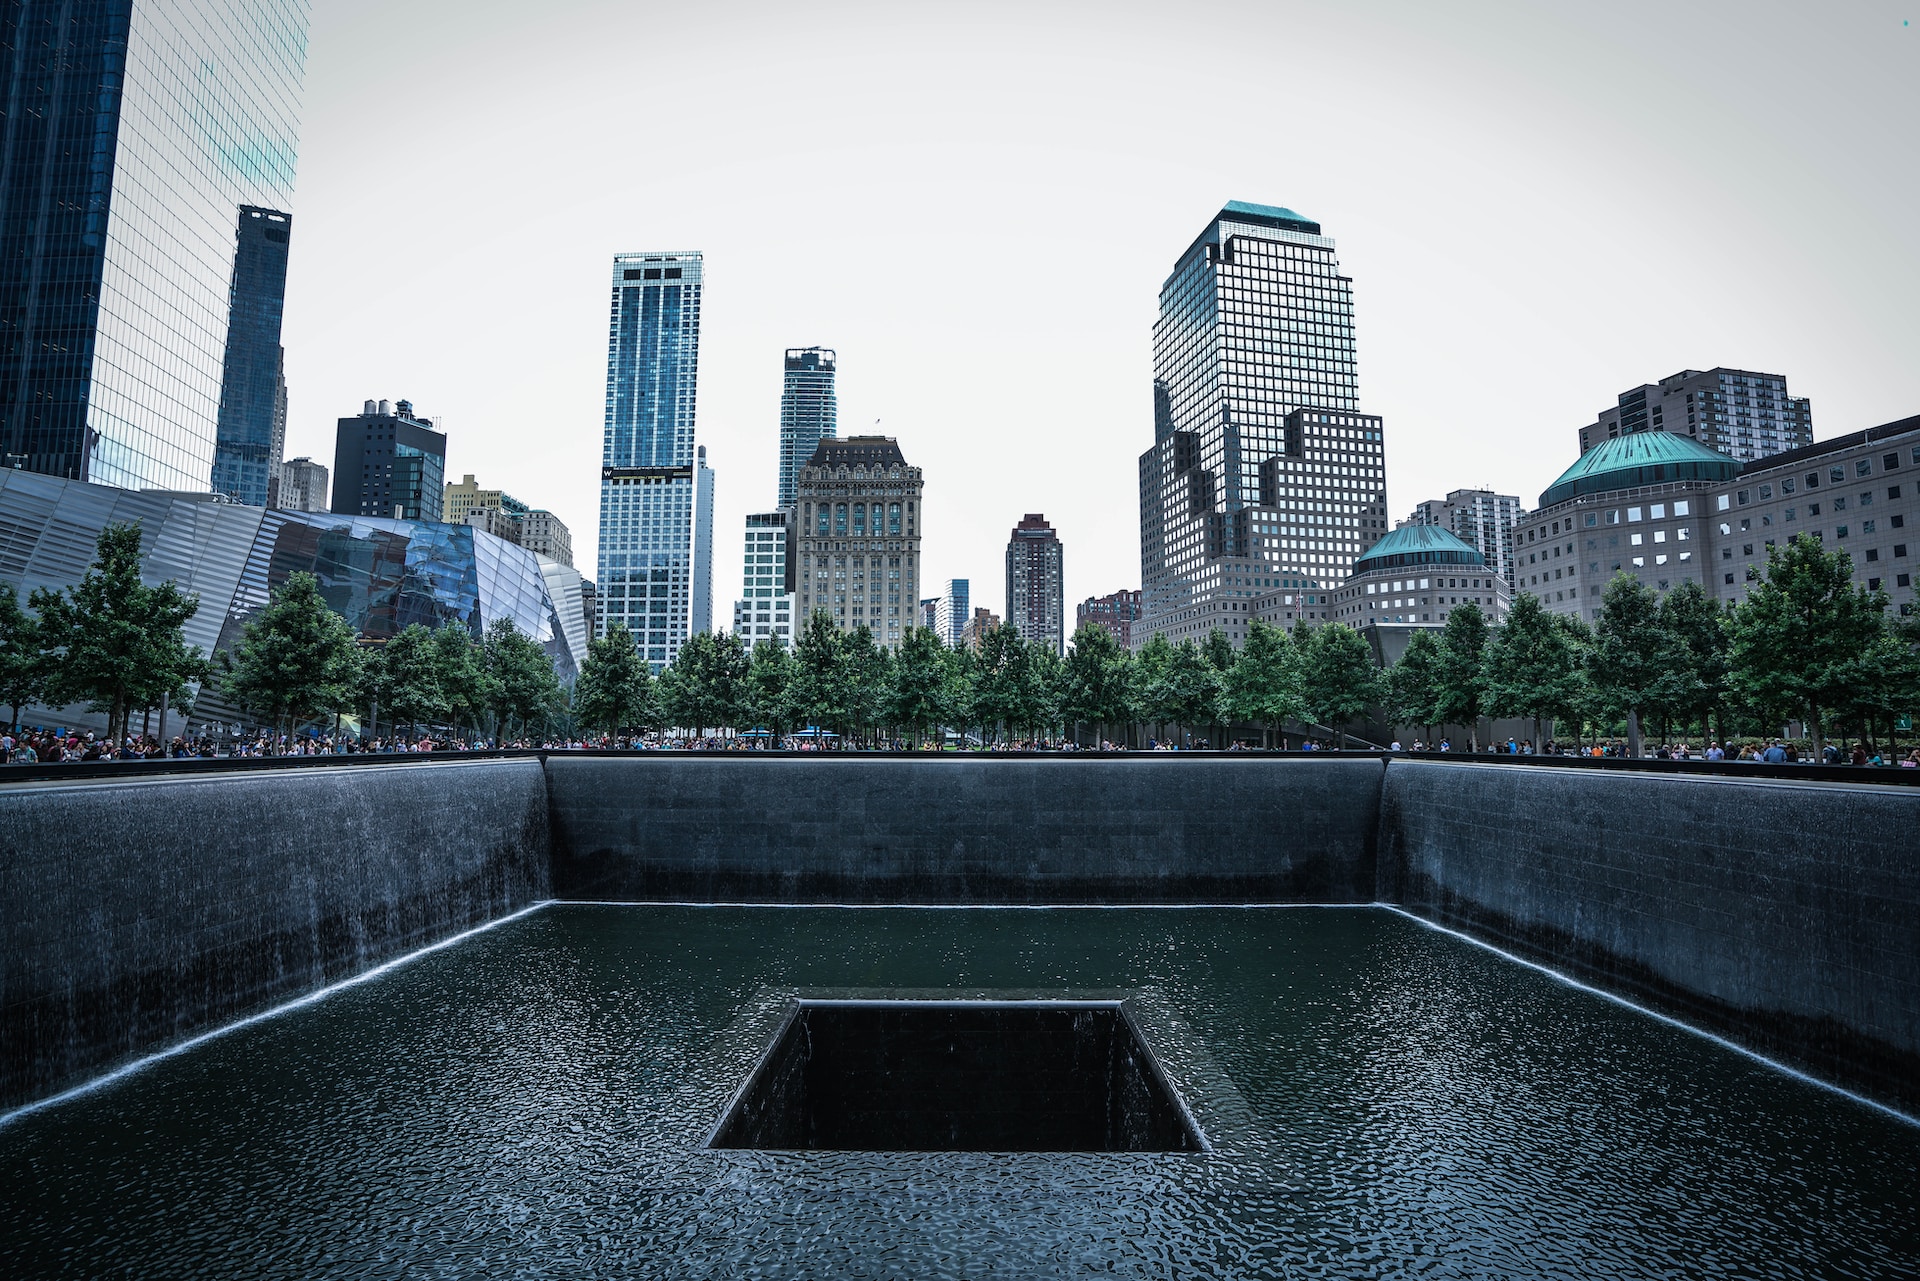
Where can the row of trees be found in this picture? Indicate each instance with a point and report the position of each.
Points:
(848, 684)
(1806, 644)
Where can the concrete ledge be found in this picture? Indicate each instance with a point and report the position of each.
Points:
(819, 829)
(142, 912)
(1783, 915)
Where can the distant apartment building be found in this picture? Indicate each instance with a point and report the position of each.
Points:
(302, 487)
(1481, 518)
(1035, 595)
(1117, 612)
(764, 610)
(504, 516)
(929, 612)
(459, 499)
(857, 512)
(976, 628)
(389, 462)
(1737, 412)
(952, 609)
(546, 535)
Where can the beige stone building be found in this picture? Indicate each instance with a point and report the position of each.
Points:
(857, 536)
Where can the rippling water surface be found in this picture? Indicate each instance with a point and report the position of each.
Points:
(1384, 1101)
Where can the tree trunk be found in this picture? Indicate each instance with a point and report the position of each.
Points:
(1633, 732)
(1814, 731)
(163, 717)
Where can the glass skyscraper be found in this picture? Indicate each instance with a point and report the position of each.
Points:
(135, 131)
(809, 412)
(251, 440)
(1263, 477)
(649, 495)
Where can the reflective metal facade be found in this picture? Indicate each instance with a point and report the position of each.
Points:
(381, 575)
(251, 438)
(134, 132)
(648, 490)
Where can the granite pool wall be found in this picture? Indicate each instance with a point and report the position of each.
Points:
(138, 912)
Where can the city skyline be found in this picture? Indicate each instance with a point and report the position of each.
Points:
(1477, 222)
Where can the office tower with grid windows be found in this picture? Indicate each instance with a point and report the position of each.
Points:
(1482, 519)
(857, 526)
(250, 439)
(649, 490)
(764, 610)
(1036, 607)
(1264, 478)
(953, 609)
(1742, 414)
(136, 133)
(389, 461)
(303, 486)
(809, 412)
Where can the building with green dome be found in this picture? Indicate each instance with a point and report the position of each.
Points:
(1632, 505)
(1413, 578)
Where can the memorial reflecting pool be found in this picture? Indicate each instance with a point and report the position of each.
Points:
(1380, 1099)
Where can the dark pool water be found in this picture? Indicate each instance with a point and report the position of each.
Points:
(1383, 1099)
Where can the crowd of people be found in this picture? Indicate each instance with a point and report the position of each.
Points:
(43, 746)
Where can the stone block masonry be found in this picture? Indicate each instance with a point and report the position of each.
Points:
(1783, 915)
(1145, 829)
(140, 912)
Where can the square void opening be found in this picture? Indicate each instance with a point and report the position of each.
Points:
(958, 1076)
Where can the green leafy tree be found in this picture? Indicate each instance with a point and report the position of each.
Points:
(1044, 690)
(410, 666)
(1338, 678)
(1000, 678)
(1698, 625)
(466, 686)
(1413, 683)
(705, 686)
(768, 693)
(23, 666)
(822, 686)
(918, 698)
(1533, 669)
(963, 689)
(1221, 656)
(520, 677)
(1159, 698)
(296, 659)
(869, 676)
(1798, 640)
(1192, 687)
(1460, 684)
(1099, 684)
(114, 642)
(1263, 684)
(1633, 660)
(615, 688)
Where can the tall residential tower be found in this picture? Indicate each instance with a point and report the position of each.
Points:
(809, 412)
(649, 492)
(1035, 600)
(1263, 477)
(136, 133)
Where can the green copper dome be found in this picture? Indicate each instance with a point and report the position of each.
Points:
(1418, 545)
(1643, 458)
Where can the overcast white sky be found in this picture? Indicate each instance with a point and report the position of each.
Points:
(1540, 205)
